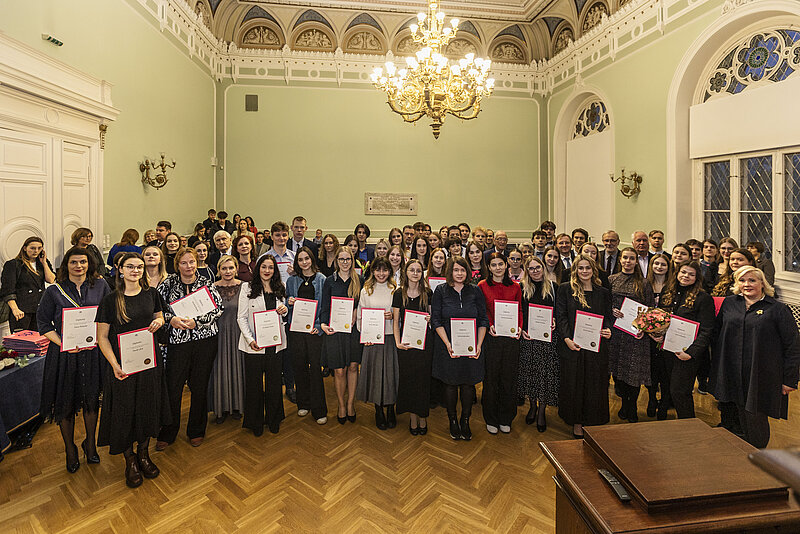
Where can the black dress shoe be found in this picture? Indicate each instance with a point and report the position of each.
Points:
(531, 417)
(351, 418)
(621, 414)
(72, 467)
(291, 394)
(541, 427)
(455, 430)
(466, 433)
(652, 407)
(146, 465)
(412, 430)
(391, 417)
(380, 419)
(133, 477)
(221, 419)
(422, 430)
(342, 420)
(94, 458)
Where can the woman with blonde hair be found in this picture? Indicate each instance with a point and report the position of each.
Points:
(155, 267)
(756, 355)
(227, 377)
(326, 256)
(341, 351)
(583, 394)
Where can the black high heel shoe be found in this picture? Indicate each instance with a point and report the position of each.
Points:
(72, 467)
(93, 459)
(380, 419)
(352, 418)
(531, 417)
(391, 418)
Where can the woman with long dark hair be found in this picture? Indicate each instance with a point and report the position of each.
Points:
(263, 403)
(420, 250)
(135, 406)
(72, 378)
(23, 282)
(242, 250)
(170, 246)
(326, 260)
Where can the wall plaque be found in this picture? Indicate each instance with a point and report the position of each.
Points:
(390, 204)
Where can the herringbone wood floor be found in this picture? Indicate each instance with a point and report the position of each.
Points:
(309, 478)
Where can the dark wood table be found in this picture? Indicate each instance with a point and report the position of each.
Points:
(20, 397)
(586, 503)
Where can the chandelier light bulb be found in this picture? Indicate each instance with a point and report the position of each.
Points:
(440, 16)
(413, 28)
(454, 23)
(447, 31)
(390, 68)
(420, 16)
(411, 62)
(470, 57)
(490, 83)
(456, 70)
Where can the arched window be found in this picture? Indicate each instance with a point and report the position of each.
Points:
(592, 119)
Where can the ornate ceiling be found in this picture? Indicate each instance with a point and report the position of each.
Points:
(508, 31)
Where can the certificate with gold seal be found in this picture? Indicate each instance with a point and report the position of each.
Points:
(137, 351)
(463, 338)
(304, 314)
(506, 318)
(540, 322)
(78, 329)
(342, 314)
(267, 327)
(373, 323)
(415, 328)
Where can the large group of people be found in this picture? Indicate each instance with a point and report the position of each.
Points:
(745, 351)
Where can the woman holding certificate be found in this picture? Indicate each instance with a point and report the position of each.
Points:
(135, 396)
(379, 374)
(629, 350)
(538, 359)
(583, 317)
(458, 315)
(501, 348)
(192, 307)
(341, 350)
(687, 338)
(756, 355)
(261, 309)
(71, 381)
(411, 323)
(304, 292)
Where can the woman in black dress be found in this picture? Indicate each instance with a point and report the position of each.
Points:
(756, 355)
(583, 394)
(659, 272)
(413, 390)
(684, 297)
(23, 281)
(341, 351)
(538, 360)
(457, 299)
(326, 260)
(71, 380)
(135, 406)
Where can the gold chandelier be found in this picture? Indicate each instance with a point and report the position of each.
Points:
(430, 86)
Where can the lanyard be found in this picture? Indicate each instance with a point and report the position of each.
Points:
(61, 289)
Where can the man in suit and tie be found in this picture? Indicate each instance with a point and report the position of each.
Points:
(641, 244)
(162, 229)
(564, 247)
(609, 257)
(549, 227)
(579, 237)
(500, 245)
(539, 240)
(299, 240)
(657, 243)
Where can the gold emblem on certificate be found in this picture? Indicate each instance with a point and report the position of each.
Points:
(274, 338)
(470, 348)
(593, 344)
(308, 327)
(419, 342)
(545, 334)
(378, 336)
(147, 361)
(89, 339)
(347, 325)
(513, 330)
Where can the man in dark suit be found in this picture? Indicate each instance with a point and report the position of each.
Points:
(500, 245)
(657, 243)
(565, 251)
(210, 224)
(641, 244)
(224, 224)
(609, 257)
(298, 240)
(162, 229)
(367, 254)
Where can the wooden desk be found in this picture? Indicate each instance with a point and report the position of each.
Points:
(585, 503)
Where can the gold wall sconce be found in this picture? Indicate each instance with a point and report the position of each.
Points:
(629, 185)
(159, 177)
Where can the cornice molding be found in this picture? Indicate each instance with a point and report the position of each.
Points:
(615, 35)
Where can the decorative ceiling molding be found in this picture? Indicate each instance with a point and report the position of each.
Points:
(614, 36)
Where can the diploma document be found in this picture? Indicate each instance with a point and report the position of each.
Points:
(283, 268)
(463, 338)
(435, 282)
(372, 325)
(540, 322)
(342, 314)
(304, 313)
(630, 310)
(415, 328)
(587, 330)
(78, 329)
(137, 351)
(267, 326)
(506, 318)
(195, 304)
(680, 334)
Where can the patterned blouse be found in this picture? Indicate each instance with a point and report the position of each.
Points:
(172, 289)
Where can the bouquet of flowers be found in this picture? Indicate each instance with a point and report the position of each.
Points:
(652, 321)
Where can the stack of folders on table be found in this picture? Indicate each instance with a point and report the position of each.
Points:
(26, 342)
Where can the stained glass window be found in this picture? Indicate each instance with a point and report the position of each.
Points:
(764, 57)
(593, 118)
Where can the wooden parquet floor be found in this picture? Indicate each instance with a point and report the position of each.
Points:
(309, 478)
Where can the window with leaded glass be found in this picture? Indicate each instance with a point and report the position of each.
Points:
(755, 217)
(791, 212)
(717, 209)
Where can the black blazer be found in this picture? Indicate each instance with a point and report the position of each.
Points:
(702, 311)
(616, 268)
(306, 243)
(22, 285)
(487, 255)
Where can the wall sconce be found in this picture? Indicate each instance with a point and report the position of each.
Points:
(159, 179)
(631, 188)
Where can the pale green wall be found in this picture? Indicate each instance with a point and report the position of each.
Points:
(316, 151)
(166, 104)
(636, 88)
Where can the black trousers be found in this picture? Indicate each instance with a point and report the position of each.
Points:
(657, 371)
(263, 400)
(287, 368)
(28, 322)
(755, 427)
(306, 350)
(499, 397)
(679, 378)
(190, 363)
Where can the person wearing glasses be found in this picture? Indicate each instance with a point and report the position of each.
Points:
(515, 265)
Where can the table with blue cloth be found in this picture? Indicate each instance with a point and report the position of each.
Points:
(20, 396)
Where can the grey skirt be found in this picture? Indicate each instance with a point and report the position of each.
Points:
(380, 373)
